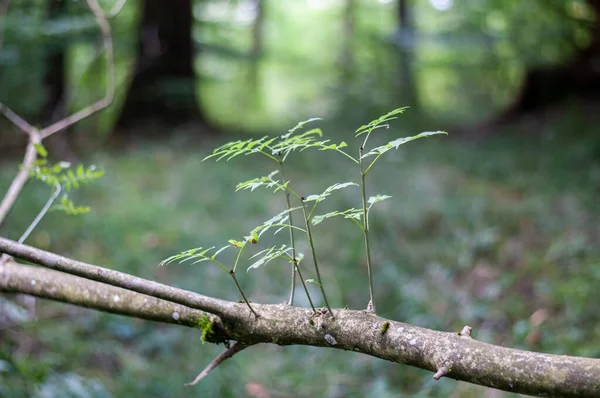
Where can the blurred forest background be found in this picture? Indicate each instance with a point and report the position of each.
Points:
(496, 226)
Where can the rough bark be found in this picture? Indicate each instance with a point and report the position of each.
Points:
(164, 81)
(454, 355)
(58, 286)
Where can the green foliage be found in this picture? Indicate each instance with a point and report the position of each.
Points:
(271, 253)
(62, 177)
(352, 214)
(65, 204)
(321, 197)
(198, 255)
(378, 123)
(266, 181)
(278, 149)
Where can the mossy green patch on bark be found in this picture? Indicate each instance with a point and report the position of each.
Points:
(384, 327)
(206, 325)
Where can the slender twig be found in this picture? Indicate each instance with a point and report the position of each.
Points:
(17, 120)
(242, 292)
(110, 66)
(365, 228)
(292, 241)
(228, 353)
(116, 9)
(36, 220)
(304, 285)
(20, 179)
(314, 254)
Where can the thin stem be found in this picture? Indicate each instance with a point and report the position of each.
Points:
(214, 261)
(366, 230)
(360, 153)
(292, 240)
(290, 190)
(304, 285)
(237, 259)
(17, 184)
(242, 293)
(270, 156)
(372, 163)
(348, 156)
(42, 213)
(314, 254)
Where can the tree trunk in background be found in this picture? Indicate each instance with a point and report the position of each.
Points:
(577, 78)
(55, 85)
(54, 78)
(405, 40)
(257, 45)
(164, 82)
(347, 61)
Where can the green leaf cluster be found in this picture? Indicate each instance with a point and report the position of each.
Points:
(63, 176)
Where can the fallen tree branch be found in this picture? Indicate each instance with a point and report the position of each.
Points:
(58, 286)
(115, 278)
(452, 355)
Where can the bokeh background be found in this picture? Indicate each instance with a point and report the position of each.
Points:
(496, 225)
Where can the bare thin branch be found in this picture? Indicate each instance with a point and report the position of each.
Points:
(42, 213)
(228, 353)
(110, 68)
(20, 179)
(17, 120)
(116, 9)
(36, 220)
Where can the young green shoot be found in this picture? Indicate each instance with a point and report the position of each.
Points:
(278, 149)
(200, 254)
(366, 131)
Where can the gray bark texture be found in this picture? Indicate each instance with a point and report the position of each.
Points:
(453, 355)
